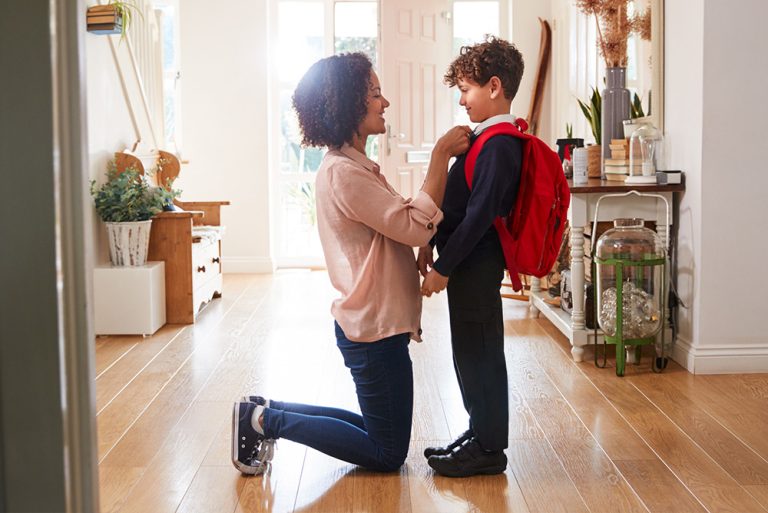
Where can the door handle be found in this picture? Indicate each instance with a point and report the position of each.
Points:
(391, 135)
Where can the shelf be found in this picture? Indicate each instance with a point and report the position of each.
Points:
(562, 320)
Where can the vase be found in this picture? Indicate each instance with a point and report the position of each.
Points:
(616, 108)
(128, 243)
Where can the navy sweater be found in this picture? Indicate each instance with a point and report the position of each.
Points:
(468, 215)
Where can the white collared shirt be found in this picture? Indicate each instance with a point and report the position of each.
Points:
(494, 120)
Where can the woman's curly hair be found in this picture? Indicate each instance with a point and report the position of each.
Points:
(331, 99)
(480, 62)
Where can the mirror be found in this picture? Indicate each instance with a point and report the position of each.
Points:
(657, 45)
(577, 66)
(645, 67)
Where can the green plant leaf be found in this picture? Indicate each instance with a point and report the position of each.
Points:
(637, 107)
(592, 112)
(587, 112)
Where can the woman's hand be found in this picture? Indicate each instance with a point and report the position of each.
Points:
(433, 283)
(455, 141)
(425, 260)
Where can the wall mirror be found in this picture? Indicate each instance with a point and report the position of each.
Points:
(645, 68)
(577, 65)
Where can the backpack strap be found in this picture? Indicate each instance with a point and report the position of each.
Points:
(505, 237)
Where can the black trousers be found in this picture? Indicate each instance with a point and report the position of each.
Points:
(477, 339)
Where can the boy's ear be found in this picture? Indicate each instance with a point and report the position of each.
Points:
(496, 90)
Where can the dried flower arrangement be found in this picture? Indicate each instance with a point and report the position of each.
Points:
(614, 26)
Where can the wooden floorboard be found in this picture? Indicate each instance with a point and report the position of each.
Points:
(580, 438)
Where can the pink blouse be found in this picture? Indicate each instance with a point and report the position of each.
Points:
(367, 231)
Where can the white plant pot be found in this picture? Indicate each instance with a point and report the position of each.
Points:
(128, 243)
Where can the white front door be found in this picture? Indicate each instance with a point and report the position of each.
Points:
(415, 52)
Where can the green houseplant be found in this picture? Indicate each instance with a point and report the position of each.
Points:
(126, 203)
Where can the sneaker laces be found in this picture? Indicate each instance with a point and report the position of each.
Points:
(262, 454)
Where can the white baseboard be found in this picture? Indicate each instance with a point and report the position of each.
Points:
(247, 265)
(722, 359)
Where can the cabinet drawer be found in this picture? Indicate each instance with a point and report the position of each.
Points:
(206, 263)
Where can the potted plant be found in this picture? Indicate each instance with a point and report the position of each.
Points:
(127, 203)
(112, 18)
(592, 111)
(637, 118)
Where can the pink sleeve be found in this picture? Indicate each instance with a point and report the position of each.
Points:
(362, 197)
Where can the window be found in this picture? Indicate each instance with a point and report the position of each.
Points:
(308, 30)
(169, 35)
(472, 21)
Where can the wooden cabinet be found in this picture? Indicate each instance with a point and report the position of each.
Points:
(192, 262)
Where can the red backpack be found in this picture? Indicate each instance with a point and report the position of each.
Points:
(531, 233)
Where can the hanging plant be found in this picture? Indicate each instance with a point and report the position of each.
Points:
(115, 17)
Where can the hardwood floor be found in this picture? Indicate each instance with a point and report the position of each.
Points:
(581, 439)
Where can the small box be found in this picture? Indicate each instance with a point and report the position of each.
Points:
(669, 177)
(129, 300)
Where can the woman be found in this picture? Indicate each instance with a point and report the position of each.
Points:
(367, 231)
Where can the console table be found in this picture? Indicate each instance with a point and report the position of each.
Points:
(580, 214)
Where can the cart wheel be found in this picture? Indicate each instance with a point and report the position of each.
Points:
(661, 363)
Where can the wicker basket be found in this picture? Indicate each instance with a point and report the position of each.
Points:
(594, 161)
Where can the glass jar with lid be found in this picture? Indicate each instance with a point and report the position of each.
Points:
(630, 266)
(646, 147)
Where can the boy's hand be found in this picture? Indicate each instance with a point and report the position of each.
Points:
(455, 141)
(425, 260)
(433, 283)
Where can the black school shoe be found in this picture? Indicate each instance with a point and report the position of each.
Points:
(448, 449)
(251, 451)
(469, 460)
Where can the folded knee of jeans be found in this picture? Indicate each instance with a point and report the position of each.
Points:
(390, 462)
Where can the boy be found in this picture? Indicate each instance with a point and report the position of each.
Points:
(488, 75)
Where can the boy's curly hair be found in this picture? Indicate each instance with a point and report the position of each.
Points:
(332, 99)
(480, 62)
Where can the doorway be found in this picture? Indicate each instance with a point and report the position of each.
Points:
(410, 46)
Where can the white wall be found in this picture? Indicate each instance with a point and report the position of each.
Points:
(714, 117)
(733, 280)
(109, 124)
(525, 33)
(224, 106)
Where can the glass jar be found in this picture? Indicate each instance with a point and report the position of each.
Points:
(646, 147)
(630, 266)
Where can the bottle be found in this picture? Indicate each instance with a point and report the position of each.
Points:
(579, 166)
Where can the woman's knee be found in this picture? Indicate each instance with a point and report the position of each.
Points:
(389, 466)
(391, 462)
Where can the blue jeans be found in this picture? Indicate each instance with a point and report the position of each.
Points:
(377, 440)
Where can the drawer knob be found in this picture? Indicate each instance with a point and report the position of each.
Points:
(201, 269)
(216, 260)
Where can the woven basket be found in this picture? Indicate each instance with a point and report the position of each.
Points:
(594, 161)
